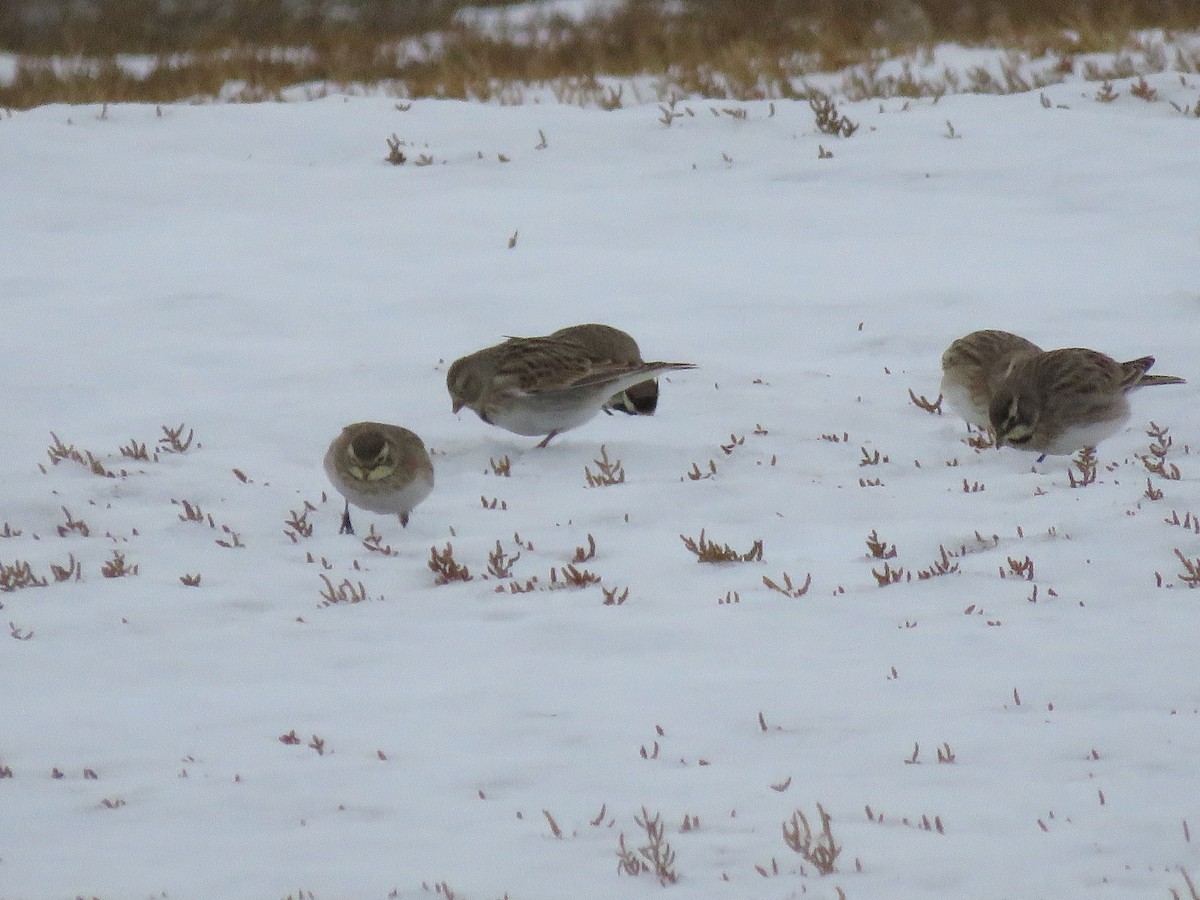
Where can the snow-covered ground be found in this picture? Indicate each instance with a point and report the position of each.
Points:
(259, 274)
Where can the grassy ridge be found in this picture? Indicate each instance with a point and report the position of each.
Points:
(716, 47)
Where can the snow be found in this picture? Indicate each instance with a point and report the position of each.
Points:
(499, 20)
(260, 274)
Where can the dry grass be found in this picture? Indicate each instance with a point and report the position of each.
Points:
(720, 48)
(818, 848)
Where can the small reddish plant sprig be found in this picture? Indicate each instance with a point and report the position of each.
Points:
(1106, 94)
(1142, 90)
(980, 440)
(890, 576)
(190, 580)
(1085, 463)
(500, 563)
(707, 551)
(1018, 568)
(871, 459)
(1191, 570)
(668, 111)
(58, 452)
(297, 526)
(734, 443)
(933, 407)
(554, 826)
(72, 569)
(925, 823)
(395, 155)
(1193, 893)
(1155, 460)
(613, 598)
(501, 467)
(373, 542)
(17, 575)
(572, 577)
(655, 857)
(788, 589)
(233, 541)
(445, 568)
(1188, 521)
(940, 566)
(582, 554)
(117, 567)
(628, 861)
(135, 451)
(346, 592)
(608, 471)
(193, 513)
(880, 549)
(820, 849)
(173, 440)
(1187, 109)
(78, 526)
(696, 475)
(827, 118)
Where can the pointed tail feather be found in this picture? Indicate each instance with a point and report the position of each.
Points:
(1136, 370)
(1146, 380)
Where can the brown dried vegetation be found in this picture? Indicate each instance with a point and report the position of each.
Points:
(445, 568)
(820, 849)
(707, 551)
(608, 471)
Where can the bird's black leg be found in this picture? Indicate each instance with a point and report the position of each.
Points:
(346, 528)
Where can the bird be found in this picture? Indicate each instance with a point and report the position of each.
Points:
(543, 385)
(973, 364)
(380, 468)
(1058, 401)
(605, 342)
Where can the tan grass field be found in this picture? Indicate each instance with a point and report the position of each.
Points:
(713, 48)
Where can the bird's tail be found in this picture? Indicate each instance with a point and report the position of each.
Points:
(1137, 369)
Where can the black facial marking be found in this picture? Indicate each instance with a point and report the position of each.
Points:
(368, 445)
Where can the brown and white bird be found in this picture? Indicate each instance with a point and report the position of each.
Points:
(1061, 401)
(973, 365)
(605, 342)
(380, 468)
(543, 385)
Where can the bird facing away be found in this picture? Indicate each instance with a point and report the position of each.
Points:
(380, 468)
(1061, 401)
(971, 368)
(605, 342)
(543, 385)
